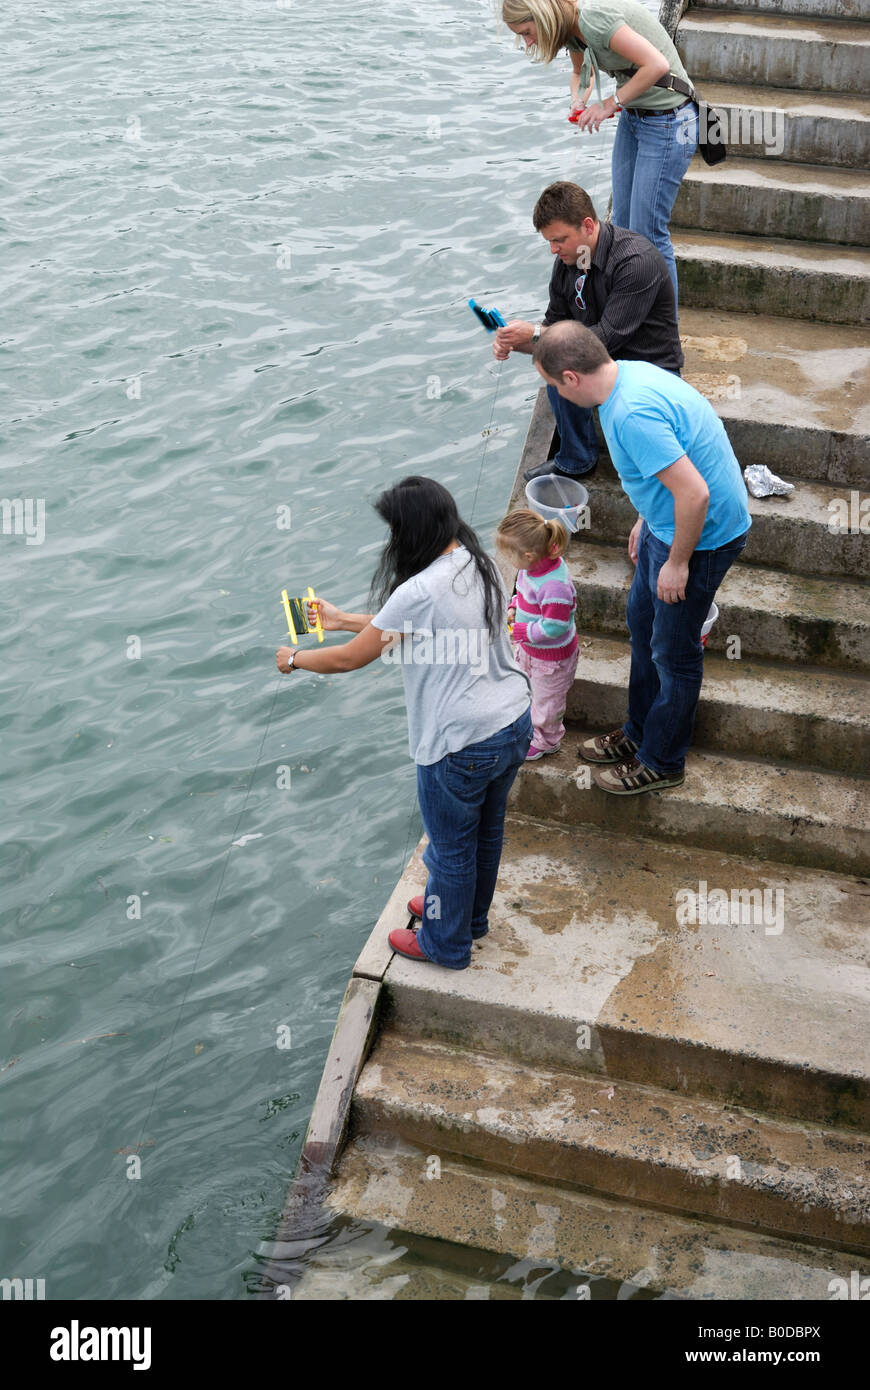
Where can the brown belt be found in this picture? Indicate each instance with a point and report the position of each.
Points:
(649, 111)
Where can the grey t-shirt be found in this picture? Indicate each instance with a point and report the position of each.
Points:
(461, 685)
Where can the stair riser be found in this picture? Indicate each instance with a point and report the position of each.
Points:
(820, 642)
(800, 139)
(800, 9)
(660, 815)
(817, 295)
(730, 729)
(690, 1192)
(796, 545)
(774, 61)
(800, 1093)
(801, 451)
(775, 212)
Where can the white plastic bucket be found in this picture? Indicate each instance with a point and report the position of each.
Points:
(551, 496)
(708, 623)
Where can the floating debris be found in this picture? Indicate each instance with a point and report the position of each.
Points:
(245, 838)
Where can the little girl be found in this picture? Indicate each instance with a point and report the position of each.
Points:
(542, 613)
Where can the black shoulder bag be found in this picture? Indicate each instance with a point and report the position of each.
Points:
(711, 136)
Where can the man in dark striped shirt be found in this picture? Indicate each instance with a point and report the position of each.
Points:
(616, 284)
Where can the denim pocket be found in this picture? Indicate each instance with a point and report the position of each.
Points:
(472, 764)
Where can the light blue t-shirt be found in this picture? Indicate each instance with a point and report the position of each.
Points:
(650, 419)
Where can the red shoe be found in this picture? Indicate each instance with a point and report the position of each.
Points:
(405, 942)
(415, 907)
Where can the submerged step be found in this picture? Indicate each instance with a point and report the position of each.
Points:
(786, 815)
(605, 954)
(802, 280)
(805, 127)
(592, 1237)
(770, 612)
(794, 713)
(806, 202)
(819, 54)
(624, 1140)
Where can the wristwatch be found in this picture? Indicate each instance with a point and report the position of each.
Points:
(536, 332)
(291, 659)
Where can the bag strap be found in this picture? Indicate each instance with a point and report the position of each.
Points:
(670, 82)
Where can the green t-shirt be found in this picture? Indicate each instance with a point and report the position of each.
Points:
(598, 24)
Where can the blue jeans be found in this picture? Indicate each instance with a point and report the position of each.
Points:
(650, 156)
(578, 442)
(463, 800)
(667, 659)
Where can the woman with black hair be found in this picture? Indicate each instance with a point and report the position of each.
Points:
(442, 617)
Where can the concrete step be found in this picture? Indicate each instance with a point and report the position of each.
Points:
(789, 815)
(810, 9)
(791, 394)
(599, 960)
(626, 1248)
(794, 713)
(804, 127)
(802, 280)
(774, 614)
(682, 1154)
(807, 202)
(794, 532)
(821, 55)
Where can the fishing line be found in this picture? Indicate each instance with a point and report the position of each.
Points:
(256, 768)
(234, 837)
(486, 438)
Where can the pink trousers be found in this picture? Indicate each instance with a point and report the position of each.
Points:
(551, 681)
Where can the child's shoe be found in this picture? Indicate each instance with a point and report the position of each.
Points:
(535, 753)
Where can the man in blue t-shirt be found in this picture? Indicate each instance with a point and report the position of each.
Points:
(677, 466)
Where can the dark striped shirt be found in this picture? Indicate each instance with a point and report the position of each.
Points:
(628, 296)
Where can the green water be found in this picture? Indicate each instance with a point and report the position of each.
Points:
(238, 243)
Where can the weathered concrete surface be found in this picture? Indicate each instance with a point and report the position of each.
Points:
(796, 279)
(789, 814)
(775, 614)
(790, 373)
(826, 128)
(698, 1157)
(807, 202)
(584, 933)
(807, 54)
(803, 715)
(793, 533)
(594, 1236)
(814, 9)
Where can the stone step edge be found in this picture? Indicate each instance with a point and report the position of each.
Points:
(815, 524)
(842, 181)
(779, 811)
(770, 1085)
(608, 1237)
(720, 676)
(610, 1164)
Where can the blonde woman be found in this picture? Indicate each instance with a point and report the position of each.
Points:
(657, 133)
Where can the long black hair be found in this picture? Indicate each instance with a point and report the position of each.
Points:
(423, 520)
